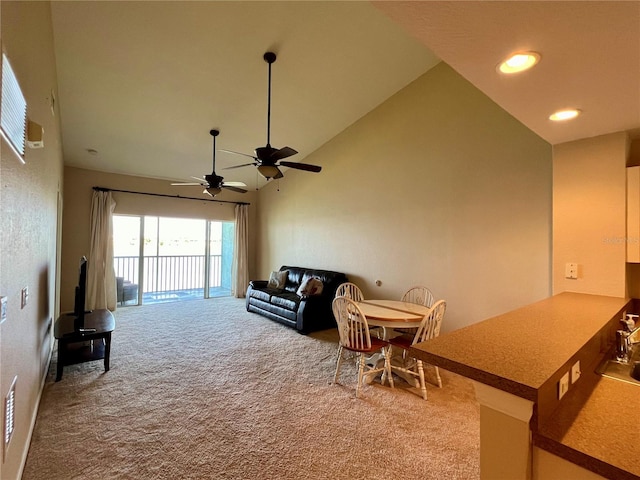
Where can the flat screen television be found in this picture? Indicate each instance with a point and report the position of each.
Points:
(81, 295)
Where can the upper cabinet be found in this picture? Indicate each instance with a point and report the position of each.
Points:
(633, 215)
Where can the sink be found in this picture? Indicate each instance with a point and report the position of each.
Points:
(625, 372)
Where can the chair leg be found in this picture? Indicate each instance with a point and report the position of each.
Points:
(360, 373)
(423, 387)
(338, 363)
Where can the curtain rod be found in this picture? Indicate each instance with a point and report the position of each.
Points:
(105, 189)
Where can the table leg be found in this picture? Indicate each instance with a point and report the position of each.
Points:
(107, 351)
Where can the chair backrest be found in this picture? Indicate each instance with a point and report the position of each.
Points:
(430, 326)
(419, 295)
(352, 324)
(350, 290)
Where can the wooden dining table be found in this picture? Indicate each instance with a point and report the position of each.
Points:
(390, 314)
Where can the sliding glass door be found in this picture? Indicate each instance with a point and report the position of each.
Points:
(172, 258)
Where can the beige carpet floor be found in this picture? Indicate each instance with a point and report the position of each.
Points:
(204, 390)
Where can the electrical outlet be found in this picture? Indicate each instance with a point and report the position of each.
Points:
(24, 297)
(563, 385)
(575, 372)
(571, 270)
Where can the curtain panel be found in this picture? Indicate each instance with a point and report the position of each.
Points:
(240, 266)
(101, 277)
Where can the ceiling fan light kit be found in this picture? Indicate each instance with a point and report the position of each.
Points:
(268, 171)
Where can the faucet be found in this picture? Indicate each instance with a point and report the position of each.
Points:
(630, 325)
(623, 337)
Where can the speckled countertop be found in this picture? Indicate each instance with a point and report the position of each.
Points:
(524, 352)
(595, 427)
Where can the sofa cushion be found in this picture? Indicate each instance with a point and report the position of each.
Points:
(294, 278)
(264, 294)
(287, 300)
(278, 279)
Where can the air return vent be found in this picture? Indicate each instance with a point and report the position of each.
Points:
(9, 414)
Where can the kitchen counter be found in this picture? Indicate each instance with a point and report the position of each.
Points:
(526, 351)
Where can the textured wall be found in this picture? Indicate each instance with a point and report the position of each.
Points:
(28, 237)
(437, 186)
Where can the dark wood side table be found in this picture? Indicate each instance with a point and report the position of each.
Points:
(77, 347)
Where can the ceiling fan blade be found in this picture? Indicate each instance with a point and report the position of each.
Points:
(238, 166)
(189, 183)
(234, 184)
(207, 192)
(237, 153)
(279, 175)
(302, 166)
(234, 189)
(284, 152)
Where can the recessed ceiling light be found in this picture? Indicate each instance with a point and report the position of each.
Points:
(519, 62)
(566, 114)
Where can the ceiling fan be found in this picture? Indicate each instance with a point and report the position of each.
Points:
(265, 158)
(213, 184)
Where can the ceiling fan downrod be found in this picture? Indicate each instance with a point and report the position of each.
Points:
(270, 58)
(214, 134)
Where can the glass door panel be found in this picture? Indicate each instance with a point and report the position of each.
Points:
(126, 255)
(176, 259)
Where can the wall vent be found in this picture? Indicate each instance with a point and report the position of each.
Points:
(9, 415)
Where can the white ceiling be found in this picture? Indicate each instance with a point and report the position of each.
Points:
(590, 57)
(144, 82)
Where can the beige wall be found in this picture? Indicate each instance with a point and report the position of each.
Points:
(589, 214)
(77, 207)
(437, 186)
(28, 202)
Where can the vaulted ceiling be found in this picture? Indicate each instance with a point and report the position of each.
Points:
(142, 83)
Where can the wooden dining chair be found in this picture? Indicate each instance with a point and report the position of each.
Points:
(353, 330)
(420, 296)
(350, 290)
(429, 328)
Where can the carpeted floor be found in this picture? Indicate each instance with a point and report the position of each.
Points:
(204, 390)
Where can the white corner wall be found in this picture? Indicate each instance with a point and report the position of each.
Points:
(437, 186)
(589, 214)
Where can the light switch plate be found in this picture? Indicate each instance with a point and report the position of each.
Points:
(24, 297)
(575, 372)
(3, 309)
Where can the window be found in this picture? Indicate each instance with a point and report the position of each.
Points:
(13, 110)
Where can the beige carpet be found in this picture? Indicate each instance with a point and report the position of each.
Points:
(204, 390)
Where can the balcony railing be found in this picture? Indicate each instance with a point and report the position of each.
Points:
(170, 273)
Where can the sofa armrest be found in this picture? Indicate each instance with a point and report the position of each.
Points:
(258, 283)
